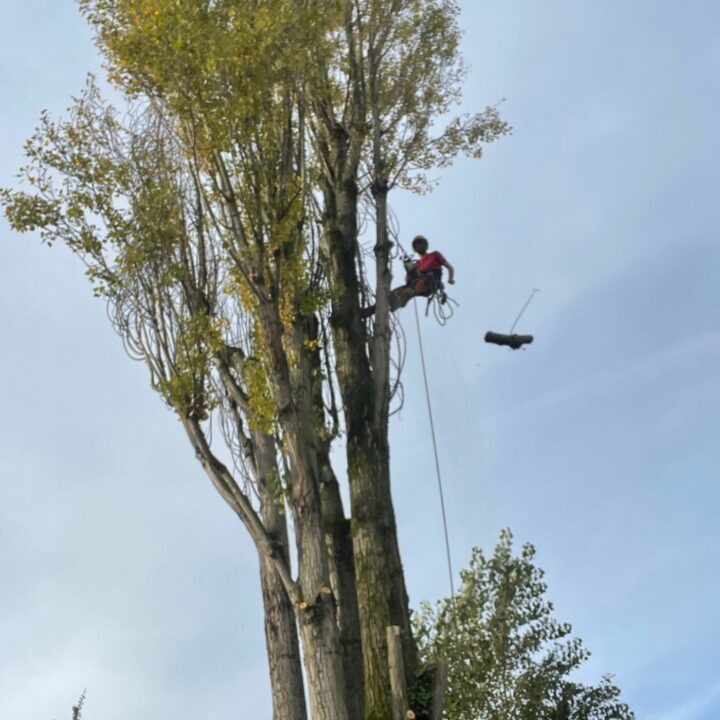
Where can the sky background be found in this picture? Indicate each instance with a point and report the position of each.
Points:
(122, 572)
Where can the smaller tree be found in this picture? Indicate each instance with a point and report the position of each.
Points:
(508, 657)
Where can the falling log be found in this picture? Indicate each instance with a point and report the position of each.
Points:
(396, 666)
(512, 341)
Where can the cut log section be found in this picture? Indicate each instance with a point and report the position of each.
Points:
(512, 341)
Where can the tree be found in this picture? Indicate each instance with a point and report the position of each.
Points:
(219, 217)
(508, 657)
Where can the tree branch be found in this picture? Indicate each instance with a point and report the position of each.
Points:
(225, 484)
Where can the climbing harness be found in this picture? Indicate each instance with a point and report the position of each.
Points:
(442, 304)
(435, 451)
(512, 340)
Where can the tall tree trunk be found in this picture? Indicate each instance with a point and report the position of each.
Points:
(281, 635)
(306, 380)
(282, 640)
(399, 606)
(382, 598)
(324, 554)
(323, 659)
(338, 535)
(316, 611)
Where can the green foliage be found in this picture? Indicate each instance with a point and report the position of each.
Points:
(416, 74)
(262, 411)
(203, 198)
(186, 388)
(210, 212)
(509, 658)
(220, 64)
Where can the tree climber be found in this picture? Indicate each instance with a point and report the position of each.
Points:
(423, 277)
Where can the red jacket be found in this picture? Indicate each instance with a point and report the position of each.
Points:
(431, 262)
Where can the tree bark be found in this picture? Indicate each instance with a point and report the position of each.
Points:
(281, 634)
(317, 609)
(440, 687)
(323, 659)
(338, 534)
(382, 598)
(399, 607)
(281, 640)
(396, 673)
(313, 598)
(338, 537)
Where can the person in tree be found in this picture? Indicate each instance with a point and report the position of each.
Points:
(423, 277)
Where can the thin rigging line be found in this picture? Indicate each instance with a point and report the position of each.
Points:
(525, 307)
(435, 450)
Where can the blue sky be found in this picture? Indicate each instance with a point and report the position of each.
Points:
(122, 572)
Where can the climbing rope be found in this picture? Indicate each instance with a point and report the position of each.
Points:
(525, 307)
(435, 450)
(442, 311)
(442, 307)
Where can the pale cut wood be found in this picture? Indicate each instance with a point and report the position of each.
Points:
(396, 667)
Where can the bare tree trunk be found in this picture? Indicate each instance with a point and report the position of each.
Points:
(281, 640)
(381, 595)
(364, 385)
(399, 606)
(312, 597)
(316, 611)
(396, 671)
(440, 687)
(338, 537)
(382, 598)
(343, 582)
(281, 635)
(323, 659)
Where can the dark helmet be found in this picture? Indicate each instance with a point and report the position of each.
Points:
(418, 242)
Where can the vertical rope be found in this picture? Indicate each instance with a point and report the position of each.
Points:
(522, 312)
(435, 450)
